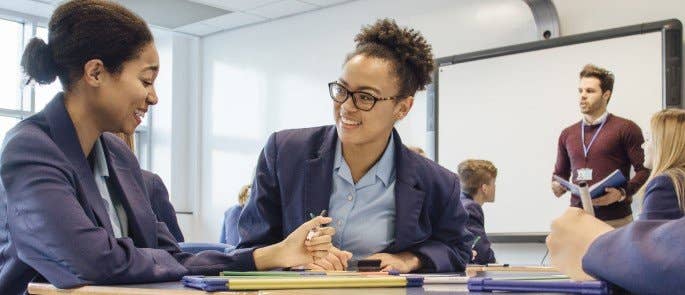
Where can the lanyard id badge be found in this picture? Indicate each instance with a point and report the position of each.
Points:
(584, 174)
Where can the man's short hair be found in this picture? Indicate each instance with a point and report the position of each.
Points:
(474, 173)
(605, 77)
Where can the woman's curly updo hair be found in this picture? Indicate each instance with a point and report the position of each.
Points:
(406, 48)
(82, 30)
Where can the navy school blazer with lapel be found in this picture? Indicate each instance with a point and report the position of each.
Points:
(295, 175)
(54, 225)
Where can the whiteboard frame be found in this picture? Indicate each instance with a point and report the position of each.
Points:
(671, 68)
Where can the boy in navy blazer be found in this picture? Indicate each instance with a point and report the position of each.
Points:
(478, 187)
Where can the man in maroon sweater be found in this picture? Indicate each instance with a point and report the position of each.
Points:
(599, 144)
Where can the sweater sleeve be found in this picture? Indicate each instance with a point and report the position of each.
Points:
(632, 142)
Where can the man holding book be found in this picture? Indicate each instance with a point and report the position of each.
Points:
(597, 146)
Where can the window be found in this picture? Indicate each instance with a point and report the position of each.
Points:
(18, 101)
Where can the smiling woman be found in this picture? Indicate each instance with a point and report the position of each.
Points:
(73, 193)
(386, 201)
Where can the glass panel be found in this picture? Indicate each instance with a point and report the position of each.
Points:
(10, 56)
(45, 93)
(6, 123)
(142, 143)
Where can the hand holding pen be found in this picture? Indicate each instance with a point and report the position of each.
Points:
(312, 233)
(296, 249)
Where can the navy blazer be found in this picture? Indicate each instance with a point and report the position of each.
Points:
(476, 225)
(643, 257)
(161, 206)
(295, 175)
(54, 225)
(660, 200)
(229, 231)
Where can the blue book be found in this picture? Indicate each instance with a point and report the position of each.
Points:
(560, 286)
(616, 179)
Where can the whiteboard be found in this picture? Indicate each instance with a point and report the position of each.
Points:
(511, 109)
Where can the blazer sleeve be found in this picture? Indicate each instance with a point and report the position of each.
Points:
(660, 200)
(52, 233)
(260, 222)
(447, 249)
(476, 225)
(163, 208)
(643, 257)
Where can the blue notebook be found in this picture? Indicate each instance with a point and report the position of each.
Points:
(562, 286)
(616, 179)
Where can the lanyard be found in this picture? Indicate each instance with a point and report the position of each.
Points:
(586, 149)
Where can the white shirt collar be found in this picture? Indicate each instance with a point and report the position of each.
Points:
(598, 120)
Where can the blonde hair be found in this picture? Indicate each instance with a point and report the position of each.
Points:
(244, 194)
(474, 173)
(668, 148)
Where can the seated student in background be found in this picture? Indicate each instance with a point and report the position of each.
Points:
(72, 200)
(646, 256)
(477, 187)
(386, 201)
(229, 230)
(158, 194)
(665, 155)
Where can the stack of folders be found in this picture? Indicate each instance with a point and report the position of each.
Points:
(238, 281)
(548, 284)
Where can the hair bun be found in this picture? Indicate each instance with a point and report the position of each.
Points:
(407, 45)
(38, 62)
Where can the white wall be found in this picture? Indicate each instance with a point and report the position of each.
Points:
(175, 121)
(268, 77)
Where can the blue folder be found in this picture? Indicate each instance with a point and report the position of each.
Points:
(207, 284)
(585, 287)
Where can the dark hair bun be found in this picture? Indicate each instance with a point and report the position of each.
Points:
(407, 45)
(38, 62)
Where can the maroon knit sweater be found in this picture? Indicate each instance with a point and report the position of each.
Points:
(618, 145)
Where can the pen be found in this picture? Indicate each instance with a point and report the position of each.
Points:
(475, 241)
(312, 232)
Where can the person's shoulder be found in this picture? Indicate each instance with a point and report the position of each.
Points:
(301, 140)
(660, 181)
(623, 122)
(575, 127)
(30, 137)
(431, 174)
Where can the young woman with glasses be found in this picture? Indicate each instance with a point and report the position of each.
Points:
(387, 202)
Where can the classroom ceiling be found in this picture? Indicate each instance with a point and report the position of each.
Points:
(199, 17)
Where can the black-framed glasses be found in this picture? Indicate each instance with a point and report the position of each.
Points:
(362, 100)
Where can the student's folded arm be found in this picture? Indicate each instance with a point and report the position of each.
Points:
(260, 222)
(476, 225)
(206, 262)
(52, 233)
(643, 257)
(447, 250)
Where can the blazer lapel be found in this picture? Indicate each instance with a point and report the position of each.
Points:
(64, 134)
(318, 177)
(408, 199)
(141, 220)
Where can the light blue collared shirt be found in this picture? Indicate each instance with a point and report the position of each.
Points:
(116, 212)
(364, 213)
